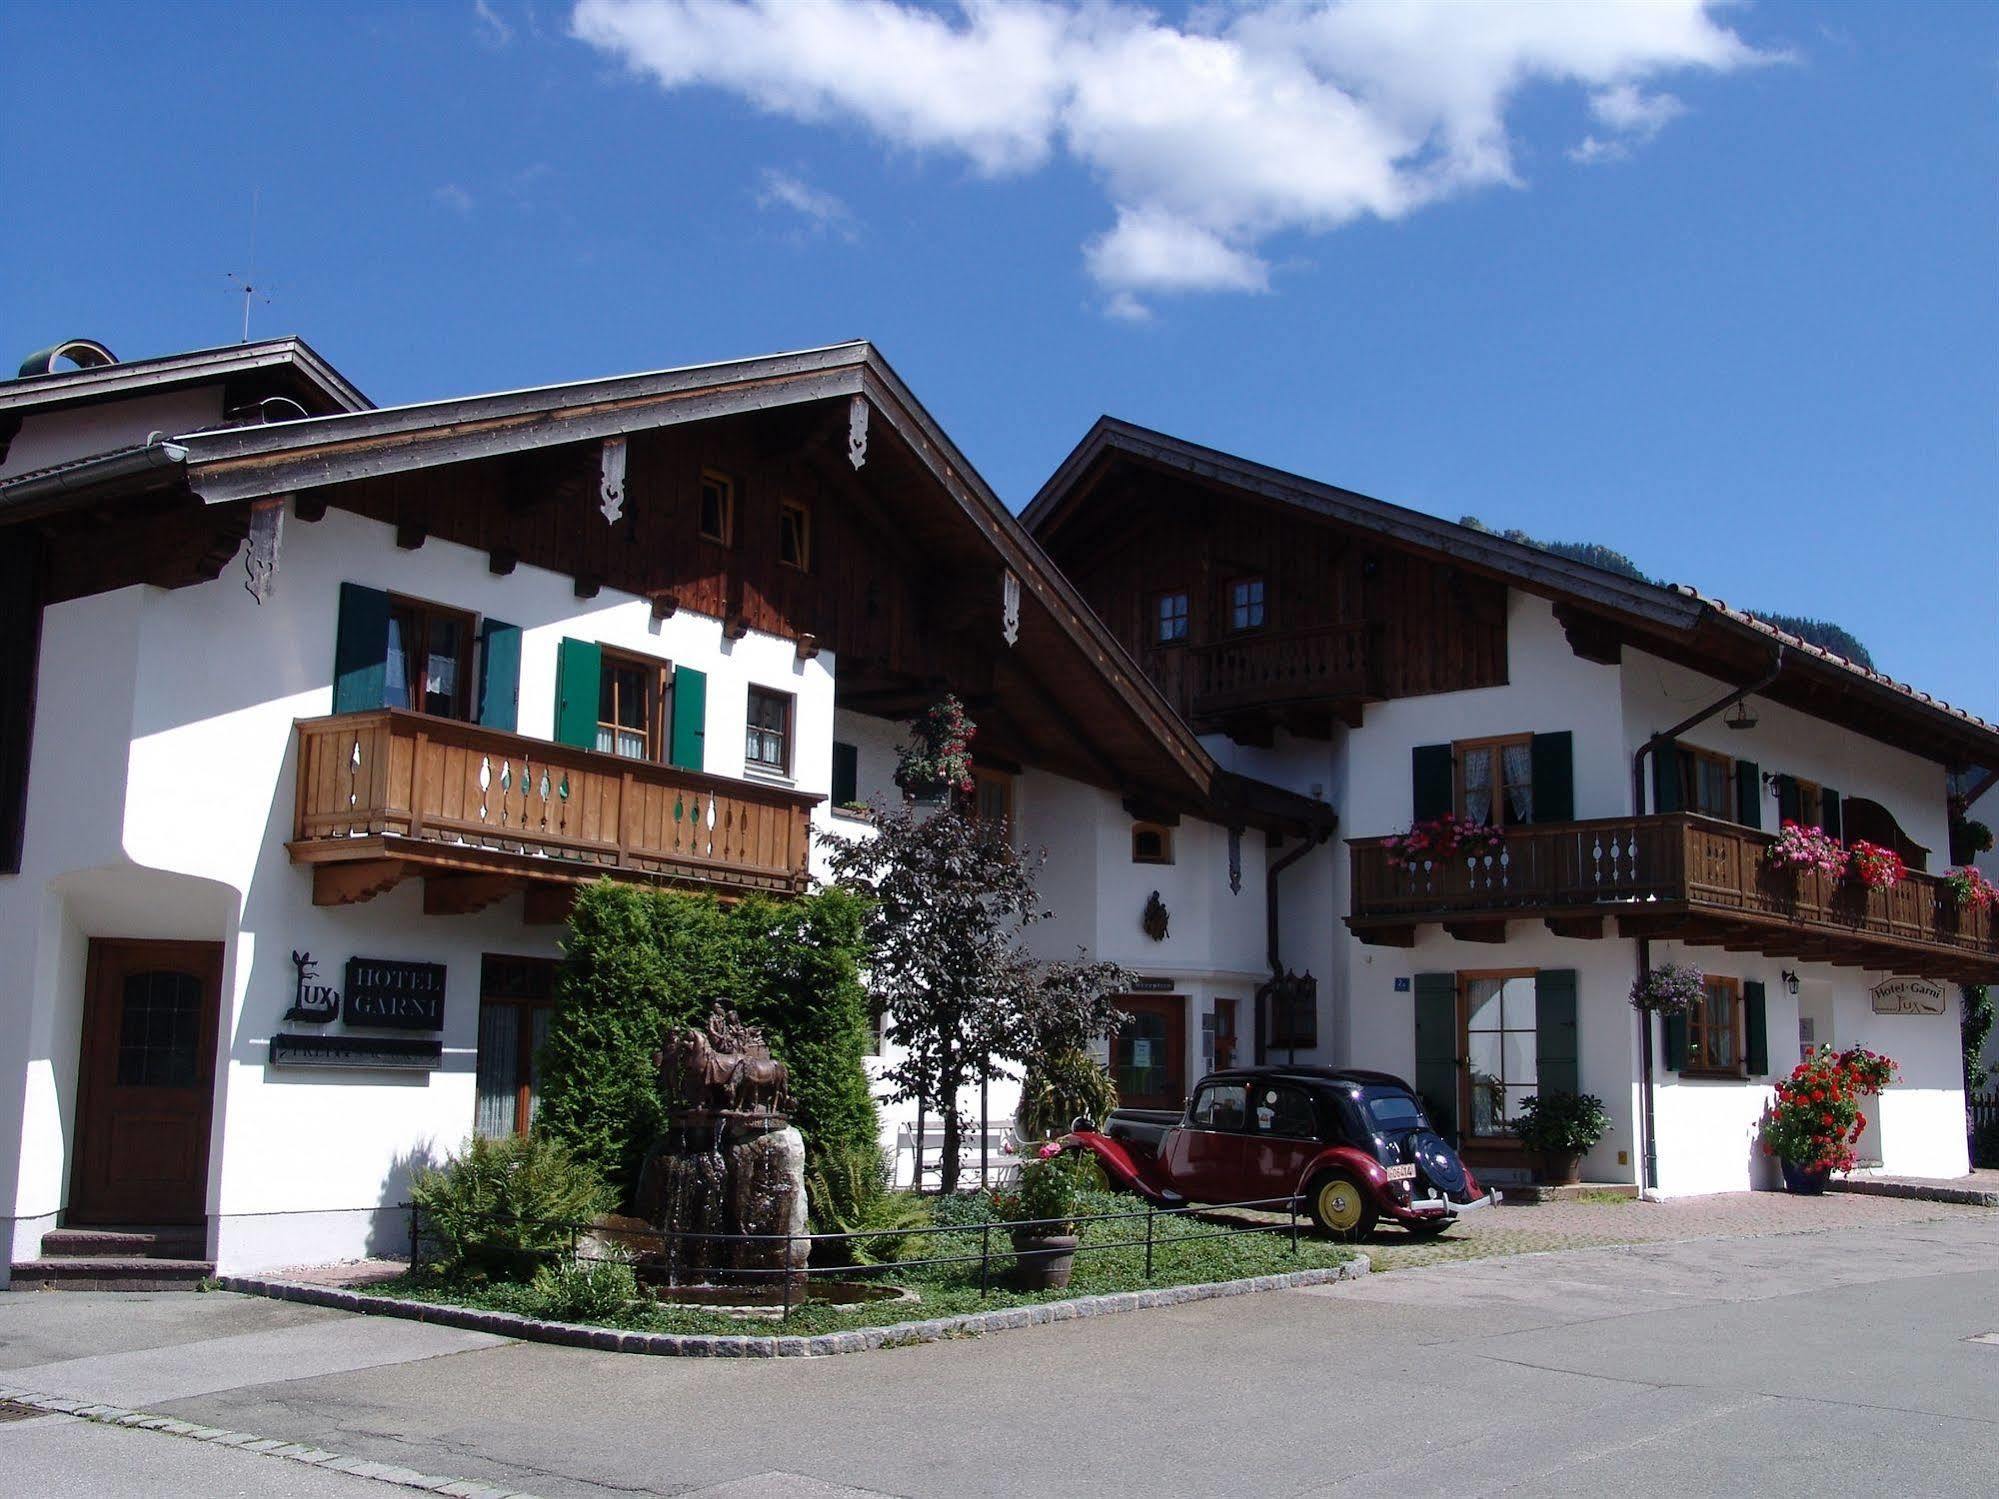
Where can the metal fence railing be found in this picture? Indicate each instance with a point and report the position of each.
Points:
(1982, 1111)
(791, 1278)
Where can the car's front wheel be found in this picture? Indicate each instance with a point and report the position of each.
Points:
(1340, 1206)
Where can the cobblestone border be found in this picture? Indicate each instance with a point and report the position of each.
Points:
(722, 1345)
(243, 1441)
(1920, 1191)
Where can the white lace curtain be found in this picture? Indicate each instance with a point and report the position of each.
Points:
(1478, 784)
(1515, 779)
(1517, 769)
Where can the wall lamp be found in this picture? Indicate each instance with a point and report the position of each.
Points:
(1790, 981)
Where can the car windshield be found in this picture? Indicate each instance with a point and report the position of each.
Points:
(1393, 1110)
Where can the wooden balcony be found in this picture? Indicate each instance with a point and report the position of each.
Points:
(1682, 876)
(1328, 663)
(384, 795)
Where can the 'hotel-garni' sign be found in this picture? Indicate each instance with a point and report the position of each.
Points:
(391, 992)
(1907, 997)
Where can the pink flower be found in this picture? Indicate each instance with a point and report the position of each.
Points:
(1048, 1151)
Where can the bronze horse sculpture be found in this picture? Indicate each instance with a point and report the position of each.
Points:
(725, 1068)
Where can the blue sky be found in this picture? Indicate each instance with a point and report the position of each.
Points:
(1716, 288)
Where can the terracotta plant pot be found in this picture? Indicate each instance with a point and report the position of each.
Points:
(1558, 1168)
(1802, 1181)
(1042, 1262)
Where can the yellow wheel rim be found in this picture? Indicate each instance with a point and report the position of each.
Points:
(1340, 1206)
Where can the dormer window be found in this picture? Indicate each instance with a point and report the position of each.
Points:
(1246, 604)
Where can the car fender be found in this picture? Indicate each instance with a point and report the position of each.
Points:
(1356, 1163)
(1117, 1162)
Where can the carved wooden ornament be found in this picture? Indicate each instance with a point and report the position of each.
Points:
(857, 431)
(1010, 608)
(611, 483)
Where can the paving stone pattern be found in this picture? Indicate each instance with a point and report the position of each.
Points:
(1588, 1225)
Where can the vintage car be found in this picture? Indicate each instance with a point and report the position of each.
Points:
(1353, 1145)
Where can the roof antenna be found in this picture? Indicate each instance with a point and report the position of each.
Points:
(246, 283)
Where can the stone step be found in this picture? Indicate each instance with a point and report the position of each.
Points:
(179, 1243)
(110, 1273)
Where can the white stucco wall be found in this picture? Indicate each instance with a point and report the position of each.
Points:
(1658, 694)
(80, 431)
(160, 799)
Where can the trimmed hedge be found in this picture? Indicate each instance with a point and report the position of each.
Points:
(639, 961)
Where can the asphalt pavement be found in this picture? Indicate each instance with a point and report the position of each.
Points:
(1860, 1360)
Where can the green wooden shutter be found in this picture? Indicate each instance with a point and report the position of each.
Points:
(1666, 777)
(689, 749)
(1432, 773)
(1437, 1049)
(1829, 817)
(846, 773)
(1748, 793)
(499, 675)
(1556, 1068)
(361, 649)
(1676, 1041)
(1755, 1029)
(1554, 777)
(579, 681)
(1787, 799)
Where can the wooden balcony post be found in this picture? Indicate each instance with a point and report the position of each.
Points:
(422, 744)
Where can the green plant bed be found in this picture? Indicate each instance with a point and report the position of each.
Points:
(943, 1290)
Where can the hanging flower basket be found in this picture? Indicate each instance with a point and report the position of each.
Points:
(1873, 866)
(938, 758)
(1437, 839)
(1969, 889)
(1799, 848)
(1669, 989)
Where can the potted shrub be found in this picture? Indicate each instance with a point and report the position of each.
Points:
(1560, 1129)
(1812, 1125)
(1668, 989)
(1042, 1211)
(1968, 839)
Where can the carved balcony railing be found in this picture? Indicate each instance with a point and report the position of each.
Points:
(1676, 874)
(406, 793)
(1326, 662)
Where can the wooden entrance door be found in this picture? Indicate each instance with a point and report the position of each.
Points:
(146, 1083)
(1149, 1056)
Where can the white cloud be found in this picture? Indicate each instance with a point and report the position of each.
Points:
(1209, 136)
(494, 29)
(821, 209)
(453, 197)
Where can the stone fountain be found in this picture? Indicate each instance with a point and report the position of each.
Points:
(729, 1163)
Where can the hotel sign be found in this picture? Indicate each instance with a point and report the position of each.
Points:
(1908, 997)
(393, 1053)
(393, 993)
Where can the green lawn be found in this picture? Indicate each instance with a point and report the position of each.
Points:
(1186, 1251)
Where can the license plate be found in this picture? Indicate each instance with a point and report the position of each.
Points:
(1402, 1173)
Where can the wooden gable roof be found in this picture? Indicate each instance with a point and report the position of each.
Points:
(1601, 611)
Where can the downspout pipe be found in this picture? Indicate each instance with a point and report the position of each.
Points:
(1647, 1094)
(1312, 839)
